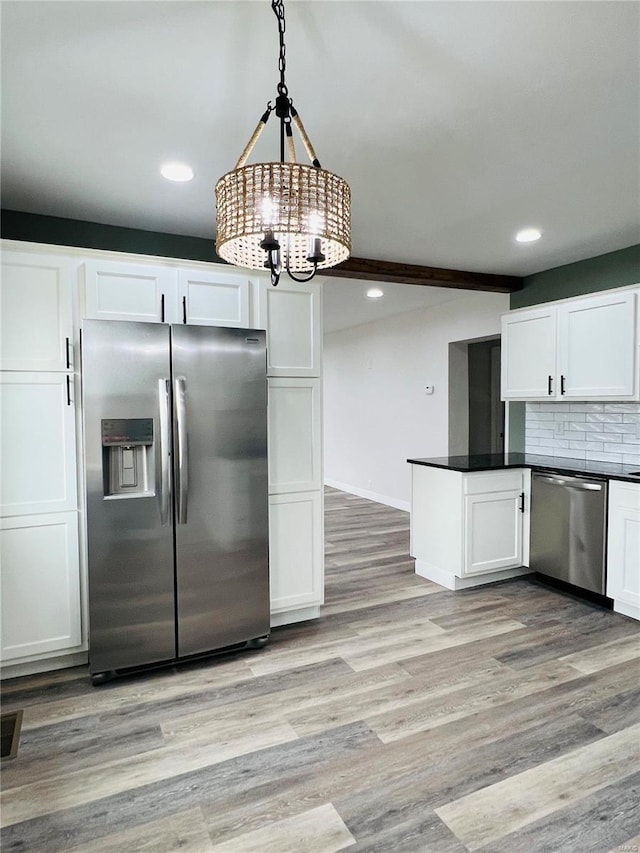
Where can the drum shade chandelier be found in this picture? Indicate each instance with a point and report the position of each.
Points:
(283, 215)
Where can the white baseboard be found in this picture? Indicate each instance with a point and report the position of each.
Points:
(17, 670)
(451, 581)
(291, 616)
(630, 610)
(370, 496)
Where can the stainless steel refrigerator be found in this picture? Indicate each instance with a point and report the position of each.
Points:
(175, 434)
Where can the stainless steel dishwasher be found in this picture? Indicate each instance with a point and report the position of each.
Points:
(568, 529)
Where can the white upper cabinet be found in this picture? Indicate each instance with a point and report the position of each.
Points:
(214, 298)
(596, 347)
(291, 313)
(37, 443)
(117, 290)
(528, 354)
(580, 349)
(36, 312)
(129, 291)
(294, 435)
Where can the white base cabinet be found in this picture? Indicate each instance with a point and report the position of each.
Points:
(40, 585)
(492, 523)
(469, 528)
(623, 548)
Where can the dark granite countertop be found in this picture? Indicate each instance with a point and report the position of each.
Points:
(558, 464)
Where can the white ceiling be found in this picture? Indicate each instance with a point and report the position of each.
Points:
(345, 301)
(455, 123)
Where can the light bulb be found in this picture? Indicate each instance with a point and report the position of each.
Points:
(269, 211)
(528, 235)
(179, 172)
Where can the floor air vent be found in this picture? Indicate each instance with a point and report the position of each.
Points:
(10, 725)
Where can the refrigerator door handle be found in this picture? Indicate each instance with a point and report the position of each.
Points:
(164, 392)
(182, 448)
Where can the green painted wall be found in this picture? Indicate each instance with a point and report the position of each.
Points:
(616, 269)
(34, 228)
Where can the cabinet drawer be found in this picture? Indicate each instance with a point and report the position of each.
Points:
(492, 481)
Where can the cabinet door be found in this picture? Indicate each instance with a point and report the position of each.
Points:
(129, 291)
(296, 551)
(294, 435)
(36, 309)
(528, 353)
(597, 347)
(291, 313)
(213, 298)
(40, 584)
(37, 443)
(623, 546)
(493, 532)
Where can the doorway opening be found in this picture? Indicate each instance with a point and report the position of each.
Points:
(476, 412)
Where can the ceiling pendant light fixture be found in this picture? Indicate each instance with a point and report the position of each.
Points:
(283, 215)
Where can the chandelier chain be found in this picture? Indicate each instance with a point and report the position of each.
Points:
(278, 9)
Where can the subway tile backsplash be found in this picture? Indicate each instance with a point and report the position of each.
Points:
(595, 432)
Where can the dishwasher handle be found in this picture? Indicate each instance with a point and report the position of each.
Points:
(571, 483)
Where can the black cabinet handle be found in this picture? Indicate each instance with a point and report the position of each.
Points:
(184, 309)
(162, 308)
(68, 390)
(550, 385)
(562, 381)
(67, 344)
(521, 502)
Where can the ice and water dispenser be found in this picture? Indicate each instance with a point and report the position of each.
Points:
(127, 457)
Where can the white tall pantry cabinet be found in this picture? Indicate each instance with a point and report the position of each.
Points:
(40, 579)
(292, 316)
(46, 293)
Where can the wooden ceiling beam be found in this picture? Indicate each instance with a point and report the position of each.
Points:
(371, 270)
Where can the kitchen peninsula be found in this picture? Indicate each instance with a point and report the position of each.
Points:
(470, 519)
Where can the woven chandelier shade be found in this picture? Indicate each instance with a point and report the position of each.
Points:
(295, 202)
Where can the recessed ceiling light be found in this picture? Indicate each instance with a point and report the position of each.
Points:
(375, 293)
(177, 172)
(528, 235)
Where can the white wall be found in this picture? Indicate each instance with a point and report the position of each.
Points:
(376, 414)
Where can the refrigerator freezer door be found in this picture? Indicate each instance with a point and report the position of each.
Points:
(220, 471)
(126, 372)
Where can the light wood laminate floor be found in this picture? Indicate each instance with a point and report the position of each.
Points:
(407, 718)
